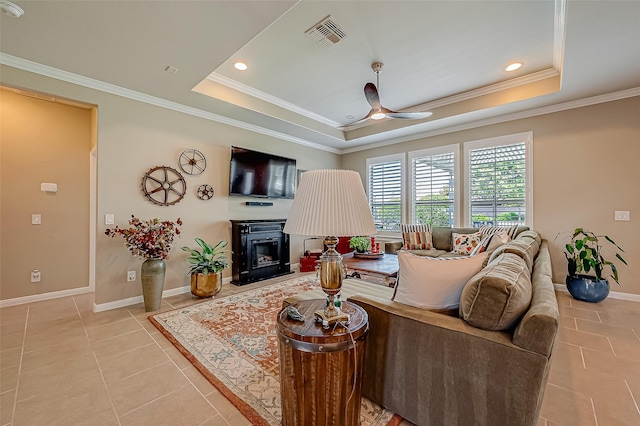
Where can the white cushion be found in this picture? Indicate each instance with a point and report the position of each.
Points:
(433, 283)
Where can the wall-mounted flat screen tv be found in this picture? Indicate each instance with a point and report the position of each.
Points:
(258, 174)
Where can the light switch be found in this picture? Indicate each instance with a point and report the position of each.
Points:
(109, 219)
(36, 219)
(622, 215)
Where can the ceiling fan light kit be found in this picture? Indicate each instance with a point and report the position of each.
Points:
(378, 112)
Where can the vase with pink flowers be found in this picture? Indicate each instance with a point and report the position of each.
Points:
(150, 240)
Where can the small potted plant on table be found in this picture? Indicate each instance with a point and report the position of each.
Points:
(584, 256)
(206, 268)
(359, 244)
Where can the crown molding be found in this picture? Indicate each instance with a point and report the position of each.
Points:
(579, 103)
(248, 90)
(47, 71)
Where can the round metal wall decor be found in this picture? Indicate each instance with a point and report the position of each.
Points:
(192, 162)
(205, 192)
(164, 185)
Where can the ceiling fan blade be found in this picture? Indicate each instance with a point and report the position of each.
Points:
(409, 115)
(371, 93)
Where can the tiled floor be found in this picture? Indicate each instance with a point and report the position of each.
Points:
(61, 364)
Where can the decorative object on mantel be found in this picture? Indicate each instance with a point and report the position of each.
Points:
(584, 254)
(205, 192)
(206, 268)
(150, 240)
(330, 203)
(192, 162)
(164, 185)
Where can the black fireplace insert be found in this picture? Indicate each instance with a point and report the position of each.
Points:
(260, 250)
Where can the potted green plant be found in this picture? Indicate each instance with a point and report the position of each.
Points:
(586, 265)
(206, 267)
(359, 244)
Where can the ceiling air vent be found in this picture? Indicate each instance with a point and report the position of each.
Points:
(327, 32)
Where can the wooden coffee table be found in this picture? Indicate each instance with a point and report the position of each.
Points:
(386, 266)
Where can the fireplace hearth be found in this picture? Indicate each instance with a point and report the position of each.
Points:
(260, 250)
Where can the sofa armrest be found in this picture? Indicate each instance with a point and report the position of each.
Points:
(431, 368)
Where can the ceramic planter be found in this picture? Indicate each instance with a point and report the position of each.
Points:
(587, 288)
(206, 285)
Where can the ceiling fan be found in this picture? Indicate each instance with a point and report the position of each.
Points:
(378, 112)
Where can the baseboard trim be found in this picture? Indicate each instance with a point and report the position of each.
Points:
(138, 299)
(45, 296)
(612, 294)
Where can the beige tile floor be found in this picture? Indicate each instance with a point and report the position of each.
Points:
(62, 364)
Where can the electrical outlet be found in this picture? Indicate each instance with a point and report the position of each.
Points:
(131, 275)
(35, 276)
(622, 215)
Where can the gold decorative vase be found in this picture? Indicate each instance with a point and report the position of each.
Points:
(206, 285)
(152, 273)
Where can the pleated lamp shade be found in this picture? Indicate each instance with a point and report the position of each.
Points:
(330, 203)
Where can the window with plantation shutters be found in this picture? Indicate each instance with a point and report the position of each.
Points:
(384, 187)
(433, 185)
(497, 181)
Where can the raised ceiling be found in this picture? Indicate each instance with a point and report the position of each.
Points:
(447, 57)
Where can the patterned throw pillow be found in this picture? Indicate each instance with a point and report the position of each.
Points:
(487, 230)
(465, 243)
(416, 237)
(491, 242)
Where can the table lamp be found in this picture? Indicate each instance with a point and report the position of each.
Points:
(330, 203)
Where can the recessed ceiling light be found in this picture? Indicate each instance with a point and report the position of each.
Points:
(241, 66)
(11, 9)
(514, 66)
(349, 117)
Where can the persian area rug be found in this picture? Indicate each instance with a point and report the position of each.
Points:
(232, 341)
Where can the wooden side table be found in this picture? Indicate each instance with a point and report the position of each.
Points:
(321, 370)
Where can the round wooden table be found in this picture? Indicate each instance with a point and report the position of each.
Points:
(321, 370)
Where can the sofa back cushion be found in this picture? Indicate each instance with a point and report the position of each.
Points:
(434, 283)
(443, 237)
(416, 237)
(538, 328)
(496, 297)
(525, 247)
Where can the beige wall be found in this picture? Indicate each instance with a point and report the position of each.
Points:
(43, 141)
(585, 166)
(134, 137)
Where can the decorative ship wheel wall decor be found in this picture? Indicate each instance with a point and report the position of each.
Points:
(205, 192)
(164, 185)
(192, 162)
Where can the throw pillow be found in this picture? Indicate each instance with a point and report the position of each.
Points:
(416, 237)
(433, 283)
(490, 243)
(499, 295)
(487, 230)
(465, 243)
